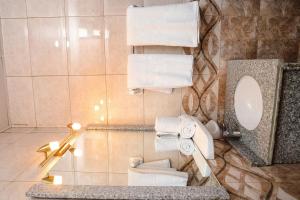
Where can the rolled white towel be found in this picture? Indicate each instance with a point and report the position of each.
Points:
(166, 143)
(167, 125)
(214, 129)
(156, 177)
(187, 126)
(186, 146)
(135, 161)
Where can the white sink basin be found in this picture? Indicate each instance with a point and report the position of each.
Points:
(248, 102)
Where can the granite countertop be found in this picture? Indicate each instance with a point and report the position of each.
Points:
(43, 191)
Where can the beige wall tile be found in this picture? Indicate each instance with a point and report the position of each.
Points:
(45, 8)
(118, 179)
(151, 155)
(118, 7)
(16, 47)
(95, 155)
(84, 7)
(52, 101)
(122, 107)
(12, 8)
(116, 48)
(84, 178)
(122, 146)
(48, 46)
(21, 103)
(88, 99)
(159, 104)
(86, 53)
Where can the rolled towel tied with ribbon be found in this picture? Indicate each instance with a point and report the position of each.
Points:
(187, 126)
(186, 146)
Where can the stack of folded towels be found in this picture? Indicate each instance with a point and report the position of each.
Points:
(156, 173)
(175, 133)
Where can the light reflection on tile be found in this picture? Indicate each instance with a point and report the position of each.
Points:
(23, 170)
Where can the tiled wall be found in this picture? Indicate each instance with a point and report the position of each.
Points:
(254, 29)
(66, 61)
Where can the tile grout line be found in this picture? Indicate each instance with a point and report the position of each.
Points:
(66, 32)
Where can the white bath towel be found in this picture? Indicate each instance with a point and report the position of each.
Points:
(156, 164)
(159, 71)
(156, 177)
(203, 140)
(186, 146)
(166, 143)
(201, 163)
(187, 126)
(170, 25)
(167, 125)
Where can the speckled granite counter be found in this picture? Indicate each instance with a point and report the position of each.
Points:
(41, 191)
(287, 139)
(260, 140)
(277, 137)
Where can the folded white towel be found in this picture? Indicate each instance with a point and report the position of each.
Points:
(186, 146)
(201, 163)
(187, 126)
(170, 25)
(157, 164)
(159, 71)
(167, 125)
(166, 143)
(156, 177)
(203, 140)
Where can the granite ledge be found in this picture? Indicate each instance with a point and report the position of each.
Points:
(250, 157)
(43, 191)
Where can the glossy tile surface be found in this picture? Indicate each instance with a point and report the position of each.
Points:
(15, 41)
(88, 106)
(245, 182)
(47, 39)
(45, 8)
(52, 101)
(123, 108)
(18, 174)
(13, 8)
(21, 101)
(116, 49)
(86, 54)
(84, 7)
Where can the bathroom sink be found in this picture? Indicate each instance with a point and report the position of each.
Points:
(248, 102)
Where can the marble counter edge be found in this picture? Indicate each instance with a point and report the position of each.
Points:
(44, 191)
